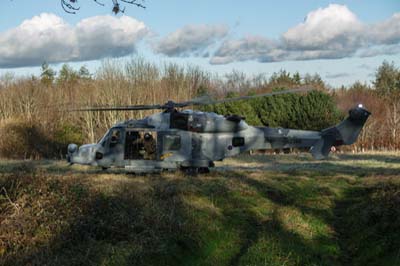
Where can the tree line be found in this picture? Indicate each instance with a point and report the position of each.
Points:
(36, 120)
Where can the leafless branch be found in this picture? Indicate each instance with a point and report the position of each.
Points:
(98, 2)
(134, 2)
(15, 205)
(70, 7)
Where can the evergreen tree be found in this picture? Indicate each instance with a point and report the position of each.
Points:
(314, 81)
(297, 78)
(315, 110)
(47, 75)
(387, 79)
(84, 73)
(318, 111)
(359, 87)
(281, 79)
(67, 75)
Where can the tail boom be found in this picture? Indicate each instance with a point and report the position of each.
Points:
(345, 133)
(319, 142)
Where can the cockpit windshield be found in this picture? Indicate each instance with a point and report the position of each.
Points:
(103, 140)
(114, 134)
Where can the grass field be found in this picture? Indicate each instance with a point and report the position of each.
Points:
(250, 210)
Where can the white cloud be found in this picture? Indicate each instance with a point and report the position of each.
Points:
(326, 33)
(331, 28)
(49, 38)
(386, 32)
(190, 40)
(248, 48)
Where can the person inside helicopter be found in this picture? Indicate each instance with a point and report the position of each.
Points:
(114, 138)
(140, 145)
(149, 147)
(133, 146)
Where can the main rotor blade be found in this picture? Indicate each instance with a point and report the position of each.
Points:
(204, 100)
(227, 100)
(120, 108)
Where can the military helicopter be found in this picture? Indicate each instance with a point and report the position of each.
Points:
(193, 140)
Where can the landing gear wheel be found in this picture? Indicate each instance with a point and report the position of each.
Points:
(192, 171)
(195, 170)
(204, 170)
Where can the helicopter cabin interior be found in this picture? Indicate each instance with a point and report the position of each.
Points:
(144, 144)
(140, 145)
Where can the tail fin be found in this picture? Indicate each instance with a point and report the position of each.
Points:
(345, 133)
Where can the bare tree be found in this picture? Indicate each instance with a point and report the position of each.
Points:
(393, 118)
(71, 6)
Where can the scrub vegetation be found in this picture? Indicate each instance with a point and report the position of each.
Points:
(250, 210)
(36, 116)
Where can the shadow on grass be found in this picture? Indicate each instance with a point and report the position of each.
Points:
(368, 224)
(293, 195)
(155, 222)
(289, 247)
(365, 220)
(132, 226)
(128, 227)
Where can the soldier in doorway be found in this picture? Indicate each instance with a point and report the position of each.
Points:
(149, 146)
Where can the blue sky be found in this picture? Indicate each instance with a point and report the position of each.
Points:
(343, 41)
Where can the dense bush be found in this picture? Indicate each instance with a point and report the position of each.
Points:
(23, 139)
(20, 139)
(66, 133)
(312, 111)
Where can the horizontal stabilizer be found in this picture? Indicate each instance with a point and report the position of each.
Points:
(322, 147)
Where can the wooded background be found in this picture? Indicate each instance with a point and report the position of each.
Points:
(36, 121)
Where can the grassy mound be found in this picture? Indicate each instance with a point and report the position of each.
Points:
(300, 213)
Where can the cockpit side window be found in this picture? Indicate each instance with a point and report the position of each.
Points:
(238, 142)
(171, 142)
(115, 137)
(179, 120)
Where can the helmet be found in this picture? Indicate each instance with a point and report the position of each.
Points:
(148, 136)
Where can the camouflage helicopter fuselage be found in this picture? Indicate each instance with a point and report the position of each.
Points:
(194, 140)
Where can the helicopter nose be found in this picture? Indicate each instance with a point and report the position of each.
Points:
(72, 148)
(84, 154)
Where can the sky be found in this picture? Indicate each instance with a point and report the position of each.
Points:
(343, 41)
